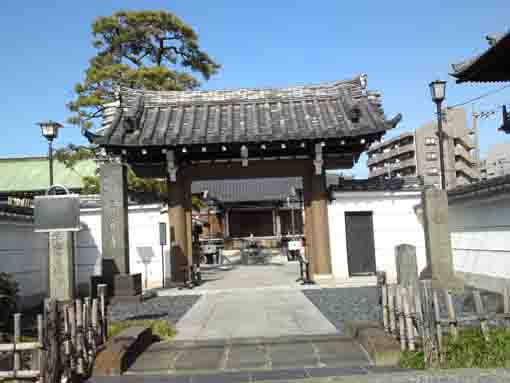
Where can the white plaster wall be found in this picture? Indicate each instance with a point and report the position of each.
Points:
(143, 232)
(480, 234)
(394, 222)
(24, 254)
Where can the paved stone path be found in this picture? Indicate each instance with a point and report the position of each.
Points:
(257, 313)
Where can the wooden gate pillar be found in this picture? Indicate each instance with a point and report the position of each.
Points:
(177, 219)
(308, 220)
(320, 228)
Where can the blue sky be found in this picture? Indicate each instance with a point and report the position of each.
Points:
(401, 45)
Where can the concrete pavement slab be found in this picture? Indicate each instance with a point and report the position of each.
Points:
(251, 357)
(256, 314)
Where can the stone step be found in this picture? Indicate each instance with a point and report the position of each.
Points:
(264, 355)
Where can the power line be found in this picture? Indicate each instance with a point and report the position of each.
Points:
(479, 97)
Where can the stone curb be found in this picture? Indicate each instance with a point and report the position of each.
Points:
(382, 348)
(121, 351)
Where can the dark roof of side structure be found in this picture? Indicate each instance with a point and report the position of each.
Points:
(496, 186)
(393, 184)
(171, 119)
(491, 66)
(253, 190)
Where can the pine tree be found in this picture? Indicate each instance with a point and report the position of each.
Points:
(152, 50)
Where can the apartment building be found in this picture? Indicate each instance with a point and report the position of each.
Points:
(417, 154)
(497, 161)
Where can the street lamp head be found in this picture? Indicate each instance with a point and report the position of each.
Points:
(49, 129)
(437, 90)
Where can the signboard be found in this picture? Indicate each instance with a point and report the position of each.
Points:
(162, 233)
(57, 213)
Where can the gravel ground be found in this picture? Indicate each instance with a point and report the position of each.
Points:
(172, 308)
(341, 304)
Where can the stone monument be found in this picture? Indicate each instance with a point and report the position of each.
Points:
(437, 240)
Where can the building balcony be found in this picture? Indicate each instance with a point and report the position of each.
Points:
(396, 152)
(471, 172)
(395, 167)
(391, 142)
(465, 141)
(460, 151)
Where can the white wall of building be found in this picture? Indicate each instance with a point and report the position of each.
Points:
(24, 253)
(480, 234)
(143, 233)
(394, 223)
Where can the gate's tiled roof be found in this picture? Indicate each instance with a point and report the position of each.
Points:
(169, 118)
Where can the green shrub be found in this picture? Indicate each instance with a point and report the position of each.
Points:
(470, 350)
(412, 359)
(8, 300)
(160, 328)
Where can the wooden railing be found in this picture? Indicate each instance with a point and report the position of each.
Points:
(69, 336)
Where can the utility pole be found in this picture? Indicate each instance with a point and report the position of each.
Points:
(475, 116)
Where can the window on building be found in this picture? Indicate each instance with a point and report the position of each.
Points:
(431, 156)
(430, 140)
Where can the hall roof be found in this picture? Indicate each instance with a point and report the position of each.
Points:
(172, 119)
(30, 174)
(491, 66)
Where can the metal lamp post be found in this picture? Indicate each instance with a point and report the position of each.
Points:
(49, 130)
(437, 91)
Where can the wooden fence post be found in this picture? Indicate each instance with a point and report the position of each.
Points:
(392, 308)
(481, 314)
(401, 319)
(54, 367)
(102, 292)
(41, 351)
(452, 317)
(408, 319)
(17, 340)
(506, 305)
(384, 292)
(437, 319)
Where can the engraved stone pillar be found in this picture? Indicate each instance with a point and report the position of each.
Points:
(319, 209)
(61, 265)
(177, 225)
(437, 240)
(407, 268)
(114, 218)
